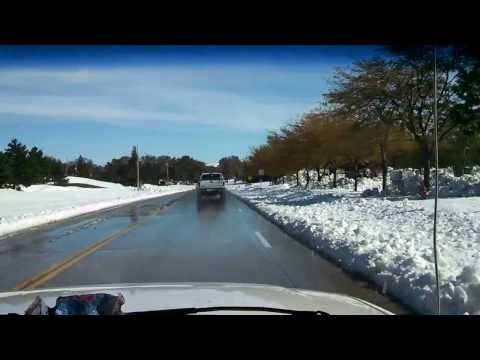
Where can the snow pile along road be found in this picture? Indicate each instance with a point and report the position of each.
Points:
(41, 204)
(389, 242)
(72, 180)
(402, 182)
(343, 182)
(407, 182)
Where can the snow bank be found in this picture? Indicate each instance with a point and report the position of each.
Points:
(41, 204)
(389, 242)
(102, 184)
(466, 185)
(402, 182)
(343, 183)
(408, 182)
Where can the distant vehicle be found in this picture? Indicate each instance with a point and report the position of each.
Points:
(211, 184)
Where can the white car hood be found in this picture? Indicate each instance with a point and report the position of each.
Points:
(146, 297)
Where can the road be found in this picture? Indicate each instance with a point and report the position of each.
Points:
(171, 239)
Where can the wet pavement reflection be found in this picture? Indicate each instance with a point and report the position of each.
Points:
(177, 238)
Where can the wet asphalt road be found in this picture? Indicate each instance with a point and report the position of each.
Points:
(172, 239)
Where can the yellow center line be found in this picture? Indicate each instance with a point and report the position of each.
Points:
(54, 270)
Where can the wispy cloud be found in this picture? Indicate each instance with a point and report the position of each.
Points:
(244, 97)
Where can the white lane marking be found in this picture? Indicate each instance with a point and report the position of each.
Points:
(263, 240)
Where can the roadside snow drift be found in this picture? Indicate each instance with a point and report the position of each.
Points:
(101, 184)
(402, 182)
(389, 242)
(41, 204)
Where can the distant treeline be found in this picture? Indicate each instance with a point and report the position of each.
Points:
(22, 166)
(152, 169)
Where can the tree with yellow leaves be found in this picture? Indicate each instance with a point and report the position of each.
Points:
(365, 94)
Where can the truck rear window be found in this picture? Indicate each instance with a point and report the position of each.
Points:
(211, 177)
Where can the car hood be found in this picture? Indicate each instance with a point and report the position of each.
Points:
(154, 296)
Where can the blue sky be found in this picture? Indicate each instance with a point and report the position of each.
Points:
(204, 101)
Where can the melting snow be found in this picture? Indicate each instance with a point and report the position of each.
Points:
(389, 241)
(41, 204)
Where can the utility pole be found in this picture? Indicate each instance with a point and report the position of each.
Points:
(167, 171)
(138, 169)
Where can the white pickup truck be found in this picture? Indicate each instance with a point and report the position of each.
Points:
(211, 184)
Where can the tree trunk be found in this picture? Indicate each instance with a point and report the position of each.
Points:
(334, 177)
(298, 177)
(384, 160)
(384, 170)
(355, 176)
(384, 179)
(318, 174)
(426, 168)
(426, 174)
(307, 177)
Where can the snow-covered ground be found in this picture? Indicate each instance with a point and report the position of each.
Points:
(99, 183)
(41, 204)
(388, 241)
(402, 182)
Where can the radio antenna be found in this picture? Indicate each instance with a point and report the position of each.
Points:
(435, 120)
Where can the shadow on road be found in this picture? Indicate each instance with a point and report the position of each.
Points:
(134, 215)
(210, 203)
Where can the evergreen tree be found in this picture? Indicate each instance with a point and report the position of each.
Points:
(36, 168)
(57, 172)
(5, 171)
(17, 156)
(132, 168)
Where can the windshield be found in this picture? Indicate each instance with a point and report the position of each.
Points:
(322, 168)
(211, 177)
